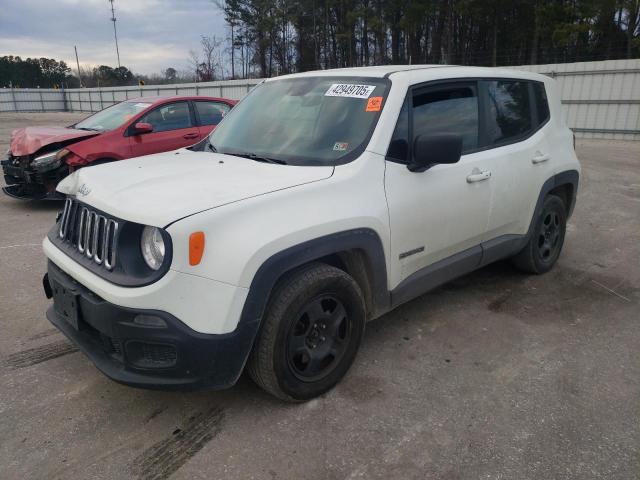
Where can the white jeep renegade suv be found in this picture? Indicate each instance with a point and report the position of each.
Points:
(323, 200)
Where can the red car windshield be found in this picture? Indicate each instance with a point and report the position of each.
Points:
(112, 117)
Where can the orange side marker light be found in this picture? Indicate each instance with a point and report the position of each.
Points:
(196, 247)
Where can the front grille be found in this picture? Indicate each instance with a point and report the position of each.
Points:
(112, 346)
(151, 355)
(90, 232)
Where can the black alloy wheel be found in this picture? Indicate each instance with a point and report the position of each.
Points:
(545, 243)
(309, 334)
(318, 338)
(549, 235)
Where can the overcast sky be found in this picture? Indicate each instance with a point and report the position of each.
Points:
(152, 34)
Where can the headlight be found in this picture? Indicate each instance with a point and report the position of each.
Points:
(49, 161)
(152, 246)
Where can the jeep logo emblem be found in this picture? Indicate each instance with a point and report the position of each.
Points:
(84, 190)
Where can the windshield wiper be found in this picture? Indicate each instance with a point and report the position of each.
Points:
(257, 158)
(88, 129)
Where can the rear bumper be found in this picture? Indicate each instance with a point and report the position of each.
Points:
(168, 358)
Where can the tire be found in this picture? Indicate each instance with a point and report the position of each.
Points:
(310, 333)
(544, 246)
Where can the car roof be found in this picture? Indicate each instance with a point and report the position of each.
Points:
(157, 99)
(397, 71)
(375, 71)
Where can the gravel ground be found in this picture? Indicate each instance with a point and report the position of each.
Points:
(496, 375)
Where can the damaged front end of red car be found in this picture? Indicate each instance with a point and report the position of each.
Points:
(35, 177)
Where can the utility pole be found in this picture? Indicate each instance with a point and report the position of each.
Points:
(78, 65)
(115, 33)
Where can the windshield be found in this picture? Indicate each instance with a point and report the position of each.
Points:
(303, 121)
(112, 117)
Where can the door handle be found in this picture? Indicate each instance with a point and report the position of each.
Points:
(188, 136)
(478, 176)
(539, 158)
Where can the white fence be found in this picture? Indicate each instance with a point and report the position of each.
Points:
(95, 99)
(600, 99)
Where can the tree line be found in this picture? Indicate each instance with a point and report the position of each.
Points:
(33, 72)
(275, 37)
(50, 73)
(272, 37)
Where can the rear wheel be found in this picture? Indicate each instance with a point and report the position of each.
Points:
(310, 334)
(544, 246)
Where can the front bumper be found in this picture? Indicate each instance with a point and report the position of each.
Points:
(26, 184)
(167, 358)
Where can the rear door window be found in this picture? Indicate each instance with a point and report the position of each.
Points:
(173, 116)
(211, 113)
(509, 111)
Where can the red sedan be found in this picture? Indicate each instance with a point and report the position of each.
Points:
(39, 157)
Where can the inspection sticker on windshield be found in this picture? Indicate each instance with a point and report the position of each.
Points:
(350, 90)
(340, 146)
(374, 104)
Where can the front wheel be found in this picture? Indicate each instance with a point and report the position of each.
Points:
(544, 246)
(310, 333)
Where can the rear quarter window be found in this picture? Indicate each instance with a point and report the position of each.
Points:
(542, 104)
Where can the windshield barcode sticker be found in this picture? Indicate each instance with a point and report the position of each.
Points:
(349, 90)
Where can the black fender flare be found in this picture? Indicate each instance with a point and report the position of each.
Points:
(568, 177)
(266, 277)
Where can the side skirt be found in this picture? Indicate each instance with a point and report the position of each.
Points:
(455, 266)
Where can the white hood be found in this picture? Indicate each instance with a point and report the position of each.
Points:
(160, 189)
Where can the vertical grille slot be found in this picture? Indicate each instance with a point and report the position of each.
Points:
(99, 239)
(82, 239)
(65, 219)
(93, 235)
(111, 231)
(90, 232)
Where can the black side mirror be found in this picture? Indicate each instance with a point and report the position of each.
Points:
(429, 150)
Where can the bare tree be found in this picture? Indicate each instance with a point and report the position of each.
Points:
(210, 57)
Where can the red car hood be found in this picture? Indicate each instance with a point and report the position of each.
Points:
(25, 141)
